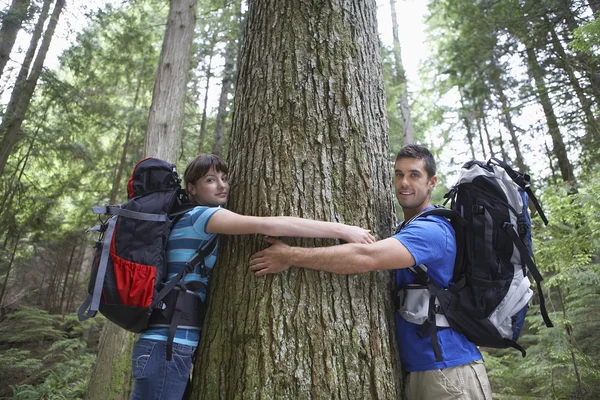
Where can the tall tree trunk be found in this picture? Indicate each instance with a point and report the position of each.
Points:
(66, 280)
(111, 378)
(466, 115)
(407, 126)
(11, 24)
(309, 138)
(232, 50)
(165, 120)
(10, 264)
(228, 78)
(206, 89)
(13, 119)
(559, 149)
(123, 160)
(507, 120)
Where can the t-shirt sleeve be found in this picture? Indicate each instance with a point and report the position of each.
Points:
(426, 240)
(200, 217)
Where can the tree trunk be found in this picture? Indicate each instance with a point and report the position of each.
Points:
(309, 138)
(10, 264)
(11, 24)
(13, 119)
(507, 120)
(111, 376)
(229, 76)
(467, 121)
(559, 150)
(165, 120)
(407, 127)
(66, 280)
(123, 160)
(206, 89)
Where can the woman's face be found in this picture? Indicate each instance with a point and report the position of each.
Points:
(210, 190)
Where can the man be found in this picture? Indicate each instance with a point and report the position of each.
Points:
(426, 240)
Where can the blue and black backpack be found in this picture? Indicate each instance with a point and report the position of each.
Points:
(127, 283)
(490, 294)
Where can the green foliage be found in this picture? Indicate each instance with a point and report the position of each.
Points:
(587, 37)
(58, 368)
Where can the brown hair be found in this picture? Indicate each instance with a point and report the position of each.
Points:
(421, 153)
(200, 166)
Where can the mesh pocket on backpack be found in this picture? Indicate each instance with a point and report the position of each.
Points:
(135, 282)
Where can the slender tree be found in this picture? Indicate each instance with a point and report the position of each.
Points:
(11, 24)
(309, 138)
(10, 128)
(400, 75)
(165, 121)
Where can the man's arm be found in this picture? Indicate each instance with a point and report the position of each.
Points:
(352, 258)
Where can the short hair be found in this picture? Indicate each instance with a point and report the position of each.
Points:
(419, 152)
(200, 166)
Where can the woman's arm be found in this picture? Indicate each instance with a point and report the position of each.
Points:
(230, 223)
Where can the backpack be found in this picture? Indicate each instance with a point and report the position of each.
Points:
(127, 282)
(489, 298)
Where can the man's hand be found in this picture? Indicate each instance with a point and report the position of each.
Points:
(356, 234)
(273, 259)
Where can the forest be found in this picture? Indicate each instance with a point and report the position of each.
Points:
(308, 103)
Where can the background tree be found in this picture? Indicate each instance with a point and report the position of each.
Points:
(309, 139)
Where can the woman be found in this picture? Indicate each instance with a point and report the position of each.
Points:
(207, 184)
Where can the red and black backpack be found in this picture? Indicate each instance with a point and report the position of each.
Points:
(127, 283)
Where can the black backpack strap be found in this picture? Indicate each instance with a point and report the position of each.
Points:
(93, 299)
(430, 324)
(535, 273)
(198, 258)
(129, 213)
(523, 180)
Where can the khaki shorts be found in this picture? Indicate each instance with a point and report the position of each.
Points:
(465, 382)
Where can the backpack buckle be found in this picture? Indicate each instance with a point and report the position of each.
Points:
(477, 209)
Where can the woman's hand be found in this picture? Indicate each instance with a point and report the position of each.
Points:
(356, 234)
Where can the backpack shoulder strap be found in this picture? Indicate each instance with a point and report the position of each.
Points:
(523, 180)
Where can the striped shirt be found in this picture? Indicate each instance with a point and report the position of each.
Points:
(187, 236)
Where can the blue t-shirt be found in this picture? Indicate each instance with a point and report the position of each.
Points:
(431, 241)
(187, 236)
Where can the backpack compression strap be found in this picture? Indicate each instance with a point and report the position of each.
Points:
(526, 260)
(93, 299)
(523, 181)
(198, 258)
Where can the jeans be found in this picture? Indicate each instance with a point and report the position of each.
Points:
(155, 378)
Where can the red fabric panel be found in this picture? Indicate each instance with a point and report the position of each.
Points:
(135, 282)
(130, 182)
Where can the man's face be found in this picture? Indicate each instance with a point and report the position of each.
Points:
(413, 188)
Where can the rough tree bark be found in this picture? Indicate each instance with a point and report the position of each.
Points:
(165, 120)
(309, 138)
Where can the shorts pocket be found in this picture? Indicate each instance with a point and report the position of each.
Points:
(139, 357)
